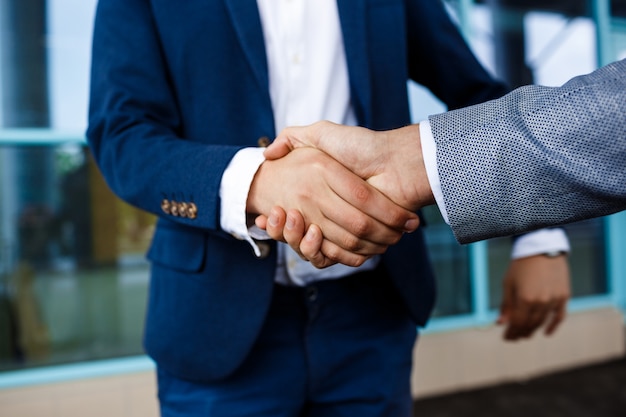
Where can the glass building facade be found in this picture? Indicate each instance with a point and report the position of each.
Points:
(73, 277)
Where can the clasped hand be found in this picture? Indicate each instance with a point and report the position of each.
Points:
(339, 194)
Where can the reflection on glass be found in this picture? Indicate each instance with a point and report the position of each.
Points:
(73, 280)
(450, 263)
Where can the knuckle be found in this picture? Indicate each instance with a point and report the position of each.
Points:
(332, 254)
(361, 193)
(358, 261)
(361, 226)
(275, 234)
(535, 301)
(395, 238)
(320, 263)
(352, 243)
(396, 217)
(337, 256)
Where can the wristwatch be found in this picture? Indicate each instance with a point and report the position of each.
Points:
(554, 253)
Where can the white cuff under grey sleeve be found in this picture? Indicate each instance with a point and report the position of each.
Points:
(540, 241)
(234, 189)
(429, 153)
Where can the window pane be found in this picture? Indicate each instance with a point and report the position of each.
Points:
(450, 263)
(73, 275)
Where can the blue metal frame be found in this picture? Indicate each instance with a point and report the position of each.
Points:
(39, 136)
(615, 231)
(77, 371)
(601, 11)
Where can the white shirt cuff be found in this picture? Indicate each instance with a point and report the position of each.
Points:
(234, 190)
(540, 241)
(429, 153)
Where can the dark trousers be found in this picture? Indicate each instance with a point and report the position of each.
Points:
(335, 348)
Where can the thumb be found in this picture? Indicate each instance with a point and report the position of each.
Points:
(288, 140)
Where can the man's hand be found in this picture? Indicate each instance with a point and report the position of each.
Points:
(357, 221)
(391, 161)
(536, 290)
(289, 227)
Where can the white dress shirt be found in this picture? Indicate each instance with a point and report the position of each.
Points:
(308, 81)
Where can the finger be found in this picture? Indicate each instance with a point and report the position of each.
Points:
(276, 223)
(372, 212)
(506, 305)
(503, 317)
(323, 253)
(365, 201)
(519, 316)
(348, 227)
(310, 248)
(558, 316)
(294, 231)
(286, 141)
(525, 323)
(539, 313)
(277, 149)
(377, 206)
(261, 221)
(344, 241)
(335, 254)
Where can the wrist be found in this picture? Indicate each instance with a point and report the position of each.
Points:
(254, 202)
(410, 150)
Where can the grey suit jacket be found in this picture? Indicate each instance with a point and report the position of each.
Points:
(537, 157)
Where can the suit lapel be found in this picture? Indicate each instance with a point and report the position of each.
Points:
(247, 23)
(353, 17)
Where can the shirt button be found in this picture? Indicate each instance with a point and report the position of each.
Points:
(295, 59)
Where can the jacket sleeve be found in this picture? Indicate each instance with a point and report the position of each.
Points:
(135, 130)
(537, 157)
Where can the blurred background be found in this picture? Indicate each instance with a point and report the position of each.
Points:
(73, 277)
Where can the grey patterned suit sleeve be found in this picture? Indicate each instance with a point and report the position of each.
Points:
(537, 157)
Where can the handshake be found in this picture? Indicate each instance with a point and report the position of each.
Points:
(340, 194)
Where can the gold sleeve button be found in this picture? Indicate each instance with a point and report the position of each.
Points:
(192, 211)
(174, 209)
(182, 209)
(166, 206)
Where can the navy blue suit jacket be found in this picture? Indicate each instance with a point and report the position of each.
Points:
(178, 87)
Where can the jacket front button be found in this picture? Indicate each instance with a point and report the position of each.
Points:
(166, 206)
(264, 141)
(264, 249)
